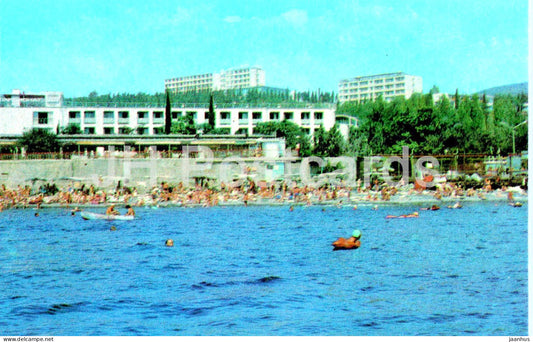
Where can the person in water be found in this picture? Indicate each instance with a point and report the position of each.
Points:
(111, 210)
(169, 243)
(352, 242)
(457, 205)
(130, 212)
(433, 207)
(415, 214)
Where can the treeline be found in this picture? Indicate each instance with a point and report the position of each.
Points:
(253, 96)
(468, 125)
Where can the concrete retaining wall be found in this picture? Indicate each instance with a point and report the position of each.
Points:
(144, 173)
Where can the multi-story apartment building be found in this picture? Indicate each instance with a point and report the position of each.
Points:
(19, 113)
(238, 78)
(388, 86)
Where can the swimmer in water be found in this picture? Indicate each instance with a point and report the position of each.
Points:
(353, 242)
(433, 207)
(169, 243)
(415, 214)
(457, 205)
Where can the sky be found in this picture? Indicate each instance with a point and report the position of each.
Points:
(130, 46)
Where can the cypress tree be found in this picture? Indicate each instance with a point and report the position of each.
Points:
(168, 115)
(211, 114)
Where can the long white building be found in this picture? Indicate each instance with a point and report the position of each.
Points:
(388, 86)
(21, 112)
(237, 78)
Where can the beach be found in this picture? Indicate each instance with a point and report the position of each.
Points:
(250, 193)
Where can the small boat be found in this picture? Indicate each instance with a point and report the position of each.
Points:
(515, 204)
(87, 215)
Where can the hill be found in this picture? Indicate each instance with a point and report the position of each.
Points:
(513, 89)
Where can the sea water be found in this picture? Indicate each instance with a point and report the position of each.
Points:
(266, 271)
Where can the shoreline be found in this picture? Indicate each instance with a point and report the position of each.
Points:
(402, 199)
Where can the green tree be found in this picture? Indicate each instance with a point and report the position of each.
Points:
(184, 125)
(434, 90)
(71, 129)
(168, 115)
(291, 132)
(39, 140)
(320, 143)
(357, 143)
(335, 142)
(211, 113)
(305, 149)
(266, 128)
(285, 129)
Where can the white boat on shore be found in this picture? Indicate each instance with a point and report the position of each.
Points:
(87, 215)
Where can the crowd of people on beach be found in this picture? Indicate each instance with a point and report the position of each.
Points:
(244, 192)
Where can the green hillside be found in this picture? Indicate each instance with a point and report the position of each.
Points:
(512, 89)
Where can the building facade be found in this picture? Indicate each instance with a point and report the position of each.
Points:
(237, 78)
(19, 115)
(371, 87)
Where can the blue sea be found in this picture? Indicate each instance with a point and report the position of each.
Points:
(264, 270)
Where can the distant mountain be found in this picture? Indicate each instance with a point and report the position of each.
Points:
(513, 89)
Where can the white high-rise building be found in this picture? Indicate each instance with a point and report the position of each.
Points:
(388, 86)
(237, 78)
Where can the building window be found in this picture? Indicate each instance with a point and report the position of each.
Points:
(306, 116)
(89, 130)
(142, 115)
(109, 130)
(158, 117)
(159, 130)
(319, 115)
(89, 117)
(123, 117)
(40, 118)
(74, 115)
(109, 117)
(257, 116)
(274, 115)
(289, 115)
(175, 115)
(142, 130)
